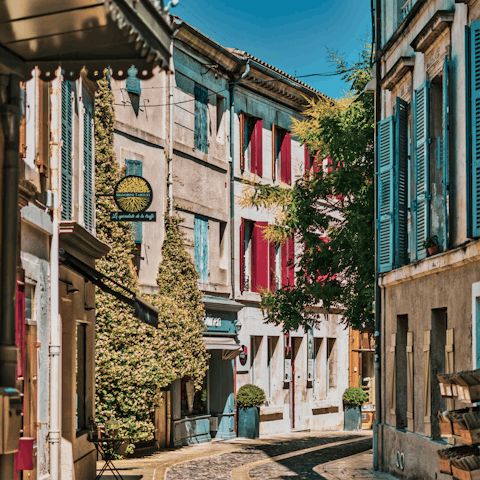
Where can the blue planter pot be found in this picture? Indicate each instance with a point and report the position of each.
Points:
(249, 422)
(352, 418)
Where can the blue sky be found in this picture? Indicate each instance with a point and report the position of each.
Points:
(292, 36)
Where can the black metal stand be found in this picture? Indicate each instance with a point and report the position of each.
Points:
(107, 447)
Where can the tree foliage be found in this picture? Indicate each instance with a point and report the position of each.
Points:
(334, 201)
(133, 361)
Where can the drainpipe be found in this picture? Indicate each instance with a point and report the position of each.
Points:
(378, 306)
(232, 174)
(10, 118)
(171, 77)
(55, 321)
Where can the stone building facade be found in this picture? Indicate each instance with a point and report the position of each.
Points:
(427, 186)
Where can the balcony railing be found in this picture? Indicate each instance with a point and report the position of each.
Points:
(407, 7)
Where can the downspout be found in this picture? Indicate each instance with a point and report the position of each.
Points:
(232, 215)
(171, 77)
(10, 118)
(378, 306)
(232, 175)
(55, 322)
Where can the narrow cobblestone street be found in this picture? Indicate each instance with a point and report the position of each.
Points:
(299, 456)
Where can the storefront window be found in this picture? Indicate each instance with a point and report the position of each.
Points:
(193, 402)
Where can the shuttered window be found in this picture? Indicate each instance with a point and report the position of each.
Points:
(422, 181)
(473, 172)
(88, 181)
(201, 247)
(259, 258)
(272, 265)
(67, 119)
(242, 141)
(410, 383)
(133, 83)
(401, 183)
(385, 221)
(201, 118)
(135, 167)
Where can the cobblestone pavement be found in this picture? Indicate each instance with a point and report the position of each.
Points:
(299, 456)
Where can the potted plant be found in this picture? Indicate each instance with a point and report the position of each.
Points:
(431, 244)
(353, 399)
(249, 399)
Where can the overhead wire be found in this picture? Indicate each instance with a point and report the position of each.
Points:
(214, 93)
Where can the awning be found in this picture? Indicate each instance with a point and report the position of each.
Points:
(143, 310)
(76, 34)
(221, 303)
(230, 348)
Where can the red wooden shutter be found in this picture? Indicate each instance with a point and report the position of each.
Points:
(271, 262)
(259, 258)
(242, 142)
(257, 147)
(20, 328)
(242, 254)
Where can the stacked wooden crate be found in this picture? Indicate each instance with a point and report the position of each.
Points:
(462, 462)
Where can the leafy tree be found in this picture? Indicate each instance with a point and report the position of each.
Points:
(133, 361)
(330, 210)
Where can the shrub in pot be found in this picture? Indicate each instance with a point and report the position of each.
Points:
(431, 244)
(249, 398)
(353, 399)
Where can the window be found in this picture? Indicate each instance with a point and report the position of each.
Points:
(473, 134)
(88, 162)
(80, 370)
(201, 247)
(331, 364)
(255, 348)
(399, 377)
(30, 301)
(67, 120)
(251, 154)
(194, 402)
(220, 113)
(392, 162)
(223, 245)
(257, 258)
(272, 345)
(282, 148)
(201, 118)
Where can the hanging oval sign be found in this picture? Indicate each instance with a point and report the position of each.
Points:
(133, 194)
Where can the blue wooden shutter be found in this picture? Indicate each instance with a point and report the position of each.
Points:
(201, 247)
(422, 166)
(475, 127)
(67, 118)
(444, 152)
(135, 167)
(88, 163)
(133, 83)
(385, 194)
(401, 183)
(201, 118)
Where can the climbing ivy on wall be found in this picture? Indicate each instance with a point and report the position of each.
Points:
(133, 361)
